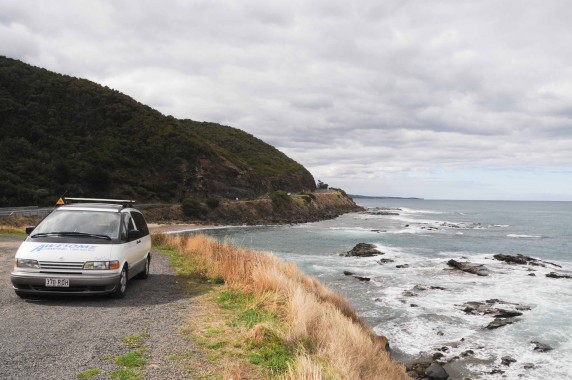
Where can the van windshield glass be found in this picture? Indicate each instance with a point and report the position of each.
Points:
(80, 222)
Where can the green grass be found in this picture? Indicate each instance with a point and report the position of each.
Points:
(273, 353)
(133, 359)
(234, 299)
(251, 317)
(89, 373)
(125, 374)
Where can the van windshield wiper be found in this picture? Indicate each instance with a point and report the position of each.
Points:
(74, 234)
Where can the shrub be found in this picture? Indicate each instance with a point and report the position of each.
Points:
(280, 198)
(213, 203)
(192, 208)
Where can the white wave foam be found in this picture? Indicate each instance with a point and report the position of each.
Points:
(519, 236)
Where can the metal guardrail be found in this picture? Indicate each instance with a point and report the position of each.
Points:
(25, 211)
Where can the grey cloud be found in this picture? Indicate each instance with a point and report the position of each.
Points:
(348, 89)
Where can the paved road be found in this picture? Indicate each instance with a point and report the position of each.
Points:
(56, 338)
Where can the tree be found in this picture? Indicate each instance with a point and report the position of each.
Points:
(322, 185)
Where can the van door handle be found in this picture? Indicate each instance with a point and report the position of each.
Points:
(138, 241)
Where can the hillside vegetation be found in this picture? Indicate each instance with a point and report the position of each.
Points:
(63, 134)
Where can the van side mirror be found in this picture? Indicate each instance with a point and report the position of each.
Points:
(29, 229)
(133, 234)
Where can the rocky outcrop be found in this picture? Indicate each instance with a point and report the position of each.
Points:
(293, 208)
(541, 347)
(504, 313)
(478, 269)
(558, 275)
(363, 250)
(382, 211)
(361, 278)
(523, 260)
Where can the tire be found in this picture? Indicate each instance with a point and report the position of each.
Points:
(121, 285)
(145, 273)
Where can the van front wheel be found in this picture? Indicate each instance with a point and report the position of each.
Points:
(121, 285)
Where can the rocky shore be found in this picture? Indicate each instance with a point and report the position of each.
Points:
(450, 360)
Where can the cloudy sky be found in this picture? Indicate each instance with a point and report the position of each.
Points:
(441, 99)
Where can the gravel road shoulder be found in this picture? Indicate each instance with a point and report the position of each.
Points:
(59, 337)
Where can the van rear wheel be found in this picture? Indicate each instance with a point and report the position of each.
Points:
(145, 273)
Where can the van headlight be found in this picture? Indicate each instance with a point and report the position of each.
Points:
(27, 263)
(101, 265)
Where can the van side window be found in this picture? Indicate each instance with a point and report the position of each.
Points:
(126, 225)
(140, 223)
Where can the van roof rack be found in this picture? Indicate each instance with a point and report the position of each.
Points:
(125, 202)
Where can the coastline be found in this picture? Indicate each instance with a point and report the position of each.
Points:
(160, 228)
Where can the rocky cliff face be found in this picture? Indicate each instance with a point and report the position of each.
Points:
(296, 208)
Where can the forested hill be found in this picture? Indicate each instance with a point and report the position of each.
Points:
(63, 134)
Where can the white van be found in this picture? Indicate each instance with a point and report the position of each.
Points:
(92, 247)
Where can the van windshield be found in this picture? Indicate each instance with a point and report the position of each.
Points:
(80, 222)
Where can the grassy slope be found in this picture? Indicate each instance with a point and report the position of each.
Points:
(269, 320)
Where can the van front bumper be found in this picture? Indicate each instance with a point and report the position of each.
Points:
(84, 284)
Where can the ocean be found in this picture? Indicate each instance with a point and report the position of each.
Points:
(424, 306)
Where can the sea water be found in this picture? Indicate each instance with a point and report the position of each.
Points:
(416, 300)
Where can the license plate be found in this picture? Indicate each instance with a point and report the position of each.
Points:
(58, 282)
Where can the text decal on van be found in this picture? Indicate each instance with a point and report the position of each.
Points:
(66, 247)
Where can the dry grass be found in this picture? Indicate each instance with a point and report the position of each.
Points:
(16, 225)
(327, 338)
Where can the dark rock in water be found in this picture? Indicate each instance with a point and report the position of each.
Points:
(436, 372)
(414, 305)
(467, 353)
(408, 293)
(383, 213)
(348, 273)
(507, 360)
(419, 368)
(384, 261)
(363, 250)
(362, 278)
(497, 371)
(478, 269)
(438, 355)
(532, 274)
(402, 266)
(528, 366)
(438, 288)
(523, 260)
(502, 313)
(541, 347)
(499, 322)
(518, 259)
(503, 316)
(558, 275)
